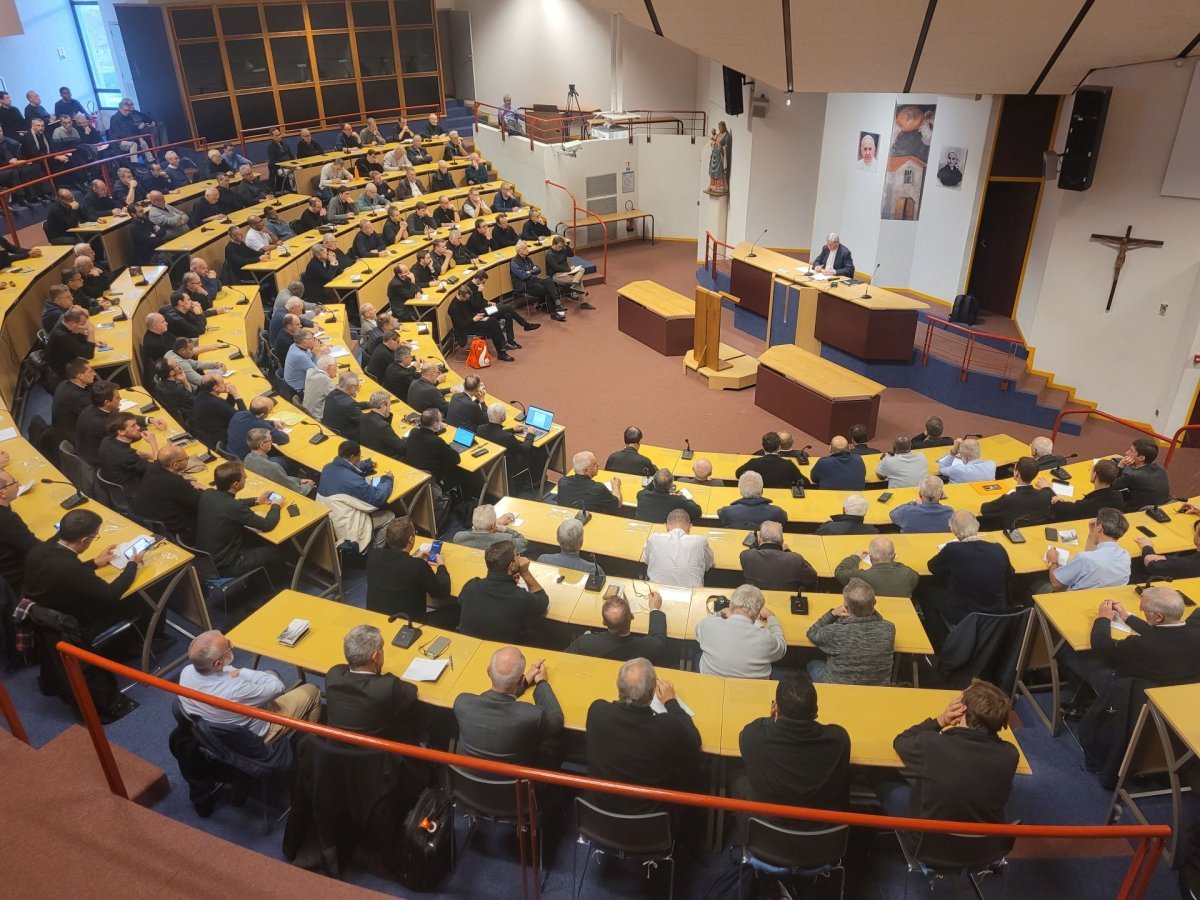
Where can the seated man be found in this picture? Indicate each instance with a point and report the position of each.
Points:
(902, 467)
(223, 520)
(702, 470)
(213, 405)
(347, 138)
(496, 608)
(487, 528)
(771, 566)
(468, 322)
(210, 670)
(467, 407)
(1104, 474)
(343, 413)
(527, 277)
(569, 535)
(776, 470)
(969, 574)
(834, 258)
(630, 460)
(361, 697)
(580, 489)
(402, 583)
(429, 453)
(238, 255)
(503, 234)
(1042, 450)
(1026, 504)
(1102, 563)
(965, 463)
(1142, 479)
(254, 417)
(442, 179)
(850, 520)
(416, 152)
(359, 506)
(375, 428)
(120, 463)
(299, 359)
(858, 643)
(616, 641)
(932, 435)
(676, 556)
(841, 470)
(627, 743)
(423, 393)
(791, 758)
(72, 396)
(888, 577)
(962, 769)
(477, 171)
(751, 509)
(660, 497)
(743, 640)
(1180, 565)
(566, 275)
(927, 514)
(493, 725)
(858, 441)
(168, 496)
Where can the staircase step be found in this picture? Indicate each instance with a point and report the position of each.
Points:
(1053, 397)
(72, 751)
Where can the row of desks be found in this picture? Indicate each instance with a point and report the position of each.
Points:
(723, 706)
(305, 168)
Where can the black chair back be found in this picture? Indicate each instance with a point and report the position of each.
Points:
(113, 495)
(963, 852)
(484, 797)
(643, 834)
(78, 472)
(795, 848)
(987, 646)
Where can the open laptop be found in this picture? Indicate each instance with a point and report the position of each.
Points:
(538, 421)
(464, 438)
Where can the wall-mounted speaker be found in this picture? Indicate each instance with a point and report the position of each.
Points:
(1083, 138)
(733, 91)
(1049, 165)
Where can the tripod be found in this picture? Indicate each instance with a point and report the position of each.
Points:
(573, 107)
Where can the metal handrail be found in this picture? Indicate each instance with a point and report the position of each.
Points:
(339, 119)
(646, 117)
(1150, 838)
(1076, 411)
(972, 341)
(10, 715)
(1177, 441)
(975, 332)
(575, 210)
(710, 255)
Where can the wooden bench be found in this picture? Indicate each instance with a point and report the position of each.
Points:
(815, 394)
(659, 317)
(625, 215)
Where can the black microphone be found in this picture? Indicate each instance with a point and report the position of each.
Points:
(519, 417)
(687, 450)
(321, 436)
(407, 635)
(595, 581)
(752, 254)
(1013, 533)
(976, 436)
(867, 287)
(1061, 474)
(76, 499)
(803, 457)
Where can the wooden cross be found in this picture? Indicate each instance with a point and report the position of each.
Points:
(1123, 245)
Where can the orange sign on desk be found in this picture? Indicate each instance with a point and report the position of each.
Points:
(989, 488)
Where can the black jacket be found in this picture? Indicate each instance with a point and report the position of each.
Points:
(1161, 655)
(1145, 486)
(624, 647)
(1087, 506)
(188, 325)
(962, 774)
(843, 523)
(60, 580)
(170, 499)
(397, 379)
(211, 415)
(422, 396)
(478, 244)
(771, 568)
(776, 471)
(797, 763)
(975, 574)
(64, 345)
(59, 222)
(379, 705)
(495, 608)
(492, 725)
(16, 540)
(90, 429)
(655, 506)
(375, 432)
(398, 583)
(1025, 505)
(399, 292)
(465, 412)
(750, 513)
(429, 453)
(628, 461)
(380, 358)
(221, 523)
(580, 492)
(69, 401)
(120, 463)
(343, 414)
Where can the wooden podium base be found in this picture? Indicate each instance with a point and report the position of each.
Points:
(737, 371)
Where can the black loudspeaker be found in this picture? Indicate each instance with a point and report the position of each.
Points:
(733, 91)
(1083, 139)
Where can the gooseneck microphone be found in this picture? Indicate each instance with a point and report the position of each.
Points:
(752, 254)
(867, 287)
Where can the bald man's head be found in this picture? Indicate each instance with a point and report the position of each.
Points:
(838, 444)
(170, 455)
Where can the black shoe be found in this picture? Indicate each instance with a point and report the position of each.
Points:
(559, 316)
(512, 345)
(531, 326)
(504, 357)
(1073, 712)
(120, 708)
(586, 305)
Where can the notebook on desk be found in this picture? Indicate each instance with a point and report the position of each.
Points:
(464, 438)
(538, 421)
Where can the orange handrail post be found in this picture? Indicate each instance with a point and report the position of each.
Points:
(711, 244)
(1078, 411)
(575, 210)
(10, 716)
(1177, 441)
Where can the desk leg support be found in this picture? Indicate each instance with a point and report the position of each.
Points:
(185, 576)
(320, 539)
(495, 479)
(419, 507)
(1038, 647)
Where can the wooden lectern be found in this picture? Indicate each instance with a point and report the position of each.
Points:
(724, 367)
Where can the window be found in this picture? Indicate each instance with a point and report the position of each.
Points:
(106, 82)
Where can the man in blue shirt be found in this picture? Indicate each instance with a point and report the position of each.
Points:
(299, 360)
(526, 276)
(841, 470)
(255, 417)
(965, 463)
(928, 514)
(1104, 562)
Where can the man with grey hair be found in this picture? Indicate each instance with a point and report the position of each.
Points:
(527, 276)
(295, 288)
(927, 514)
(258, 236)
(676, 556)
(888, 577)
(343, 413)
(1102, 563)
(260, 462)
(858, 643)
(752, 509)
(487, 528)
(965, 463)
(524, 456)
(318, 382)
(361, 697)
(626, 742)
(702, 470)
(850, 520)
(569, 535)
(772, 566)
(376, 430)
(210, 670)
(173, 221)
(299, 359)
(580, 490)
(616, 640)
(423, 393)
(1041, 448)
(969, 575)
(835, 258)
(743, 640)
(493, 725)
(902, 467)
(657, 499)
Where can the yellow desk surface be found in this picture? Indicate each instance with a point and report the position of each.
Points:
(873, 716)
(1180, 706)
(321, 648)
(818, 375)
(727, 546)
(352, 155)
(665, 302)
(211, 232)
(603, 534)
(1172, 537)
(1071, 613)
(127, 297)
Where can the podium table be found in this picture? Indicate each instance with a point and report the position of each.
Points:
(659, 317)
(814, 394)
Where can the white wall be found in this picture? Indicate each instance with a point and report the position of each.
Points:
(30, 61)
(655, 73)
(1132, 361)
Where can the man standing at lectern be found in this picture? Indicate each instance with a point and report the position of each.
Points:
(834, 258)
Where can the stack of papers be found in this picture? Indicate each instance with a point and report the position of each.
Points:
(675, 595)
(422, 669)
(659, 707)
(1119, 626)
(1063, 555)
(1063, 490)
(7, 434)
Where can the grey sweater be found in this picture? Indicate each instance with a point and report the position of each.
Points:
(858, 648)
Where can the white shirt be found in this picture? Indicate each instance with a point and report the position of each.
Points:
(257, 240)
(737, 648)
(677, 558)
(329, 176)
(392, 162)
(249, 687)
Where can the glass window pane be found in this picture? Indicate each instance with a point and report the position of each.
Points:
(257, 111)
(240, 20)
(298, 105)
(333, 56)
(381, 95)
(202, 69)
(341, 100)
(292, 65)
(248, 64)
(193, 23)
(284, 17)
(108, 99)
(414, 12)
(95, 44)
(214, 119)
(375, 53)
(423, 91)
(417, 51)
(327, 15)
(368, 13)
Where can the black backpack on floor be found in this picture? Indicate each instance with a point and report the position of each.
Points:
(425, 841)
(965, 310)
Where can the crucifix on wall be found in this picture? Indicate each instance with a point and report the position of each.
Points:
(1123, 245)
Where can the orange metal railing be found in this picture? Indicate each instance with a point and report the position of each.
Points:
(1075, 411)
(10, 716)
(262, 132)
(1177, 440)
(692, 122)
(576, 209)
(1150, 838)
(714, 251)
(1006, 368)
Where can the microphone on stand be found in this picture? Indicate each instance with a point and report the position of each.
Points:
(867, 287)
(519, 417)
(752, 254)
(407, 635)
(687, 450)
(76, 499)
